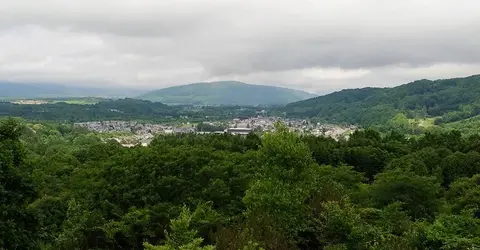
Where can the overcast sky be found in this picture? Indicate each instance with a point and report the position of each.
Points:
(314, 45)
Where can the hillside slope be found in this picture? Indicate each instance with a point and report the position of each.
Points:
(226, 93)
(450, 99)
(120, 109)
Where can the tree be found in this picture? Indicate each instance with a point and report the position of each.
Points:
(459, 165)
(181, 236)
(18, 226)
(419, 195)
(464, 194)
(276, 202)
(342, 225)
(277, 191)
(401, 123)
(453, 232)
(367, 159)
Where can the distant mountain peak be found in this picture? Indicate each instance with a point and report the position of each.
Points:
(226, 93)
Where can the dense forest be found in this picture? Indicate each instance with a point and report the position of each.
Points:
(122, 109)
(65, 188)
(446, 100)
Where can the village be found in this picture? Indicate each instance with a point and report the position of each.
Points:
(132, 133)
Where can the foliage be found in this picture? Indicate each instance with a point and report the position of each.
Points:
(206, 127)
(417, 194)
(64, 188)
(450, 99)
(181, 236)
(17, 224)
(454, 232)
(466, 126)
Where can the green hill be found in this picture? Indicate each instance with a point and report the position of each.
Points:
(467, 126)
(226, 93)
(448, 100)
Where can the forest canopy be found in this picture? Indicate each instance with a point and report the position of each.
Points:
(64, 188)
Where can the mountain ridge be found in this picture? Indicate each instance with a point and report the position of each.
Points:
(12, 90)
(446, 99)
(226, 93)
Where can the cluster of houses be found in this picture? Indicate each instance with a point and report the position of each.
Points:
(135, 127)
(301, 126)
(30, 102)
(131, 133)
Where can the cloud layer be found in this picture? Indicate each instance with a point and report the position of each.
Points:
(318, 46)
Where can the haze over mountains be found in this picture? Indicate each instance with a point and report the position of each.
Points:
(212, 93)
(9, 90)
(226, 93)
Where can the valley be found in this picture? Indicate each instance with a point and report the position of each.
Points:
(412, 108)
(130, 133)
(349, 168)
(240, 125)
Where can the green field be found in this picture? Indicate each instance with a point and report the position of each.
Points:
(467, 126)
(79, 101)
(423, 123)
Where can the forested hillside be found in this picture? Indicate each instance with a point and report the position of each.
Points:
(448, 100)
(63, 188)
(226, 93)
(121, 109)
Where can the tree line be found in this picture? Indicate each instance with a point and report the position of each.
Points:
(64, 188)
(122, 109)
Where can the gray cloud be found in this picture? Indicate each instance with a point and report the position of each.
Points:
(319, 46)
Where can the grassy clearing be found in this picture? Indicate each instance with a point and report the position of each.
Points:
(467, 126)
(423, 123)
(79, 101)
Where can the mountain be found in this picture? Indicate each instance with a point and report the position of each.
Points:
(10, 90)
(447, 100)
(226, 93)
